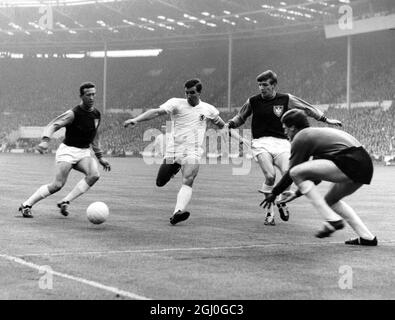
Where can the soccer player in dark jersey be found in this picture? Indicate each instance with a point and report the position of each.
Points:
(269, 145)
(81, 125)
(338, 158)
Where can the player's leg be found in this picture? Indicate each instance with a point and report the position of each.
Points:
(167, 170)
(265, 161)
(326, 170)
(282, 163)
(333, 198)
(89, 167)
(189, 173)
(62, 170)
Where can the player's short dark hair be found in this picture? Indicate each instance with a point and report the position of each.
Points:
(295, 117)
(267, 75)
(192, 83)
(86, 85)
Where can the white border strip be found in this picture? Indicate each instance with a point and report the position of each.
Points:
(77, 279)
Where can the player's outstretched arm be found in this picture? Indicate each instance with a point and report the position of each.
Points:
(96, 147)
(105, 164)
(60, 121)
(268, 201)
(334, 122)
(219, 122)
(311, 111)
(148, 115)
(42, 147)
(290, 196)
(241, 116)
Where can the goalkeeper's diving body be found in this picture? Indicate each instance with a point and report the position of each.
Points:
(338, 158)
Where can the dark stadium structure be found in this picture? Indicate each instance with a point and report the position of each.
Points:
(48, 47)
(167, 22)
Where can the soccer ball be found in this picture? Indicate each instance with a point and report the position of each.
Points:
(97, 212)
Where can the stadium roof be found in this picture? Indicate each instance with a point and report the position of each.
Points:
(57, 23)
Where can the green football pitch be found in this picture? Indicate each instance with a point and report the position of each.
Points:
(223, 251)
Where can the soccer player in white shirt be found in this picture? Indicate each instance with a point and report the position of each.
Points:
(189, 118)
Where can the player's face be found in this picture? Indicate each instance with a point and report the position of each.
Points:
(266, 88)
(88, 98)
(192, 96)
(289, 131)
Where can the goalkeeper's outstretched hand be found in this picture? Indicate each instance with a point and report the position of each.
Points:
(289, 196)
(268, 201)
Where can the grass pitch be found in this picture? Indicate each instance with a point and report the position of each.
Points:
(223, 251)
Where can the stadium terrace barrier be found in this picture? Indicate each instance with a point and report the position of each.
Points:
(386, 104)
(389, 160)
(17, 150)
(323, 107)
(36, 132)
(133, 112)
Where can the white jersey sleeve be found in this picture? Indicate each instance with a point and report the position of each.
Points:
(170, 106)
(213, 112)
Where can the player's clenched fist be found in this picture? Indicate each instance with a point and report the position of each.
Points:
(42, 147)
(129, 122)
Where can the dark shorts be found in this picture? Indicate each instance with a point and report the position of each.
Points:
(355, 163)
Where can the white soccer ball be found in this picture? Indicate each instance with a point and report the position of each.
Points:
(97, 212)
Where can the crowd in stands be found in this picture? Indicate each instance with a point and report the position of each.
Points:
(35, 90)
(373, 127)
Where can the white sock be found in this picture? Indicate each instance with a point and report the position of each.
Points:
(183, 198)
(266, 188)
(269, 190)
(40, 194)
(271, 211)
(310, 191)
(348, 213)
(80, 188)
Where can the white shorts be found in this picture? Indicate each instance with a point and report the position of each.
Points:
(192, 156)
(273, 146)
(71, 154)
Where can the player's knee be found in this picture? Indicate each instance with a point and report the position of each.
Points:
(331, 199)
(295, 173)
(92, 178)
(56, 186)
(270, 179)
(188, 181)
(283, 169)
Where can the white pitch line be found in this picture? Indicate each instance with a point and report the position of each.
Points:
(79, 253)
(77, 279)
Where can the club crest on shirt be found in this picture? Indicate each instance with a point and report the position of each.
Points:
(278, 110)
(202, 117)
(96, 123)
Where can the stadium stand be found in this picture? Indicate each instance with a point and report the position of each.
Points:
(36, 90)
